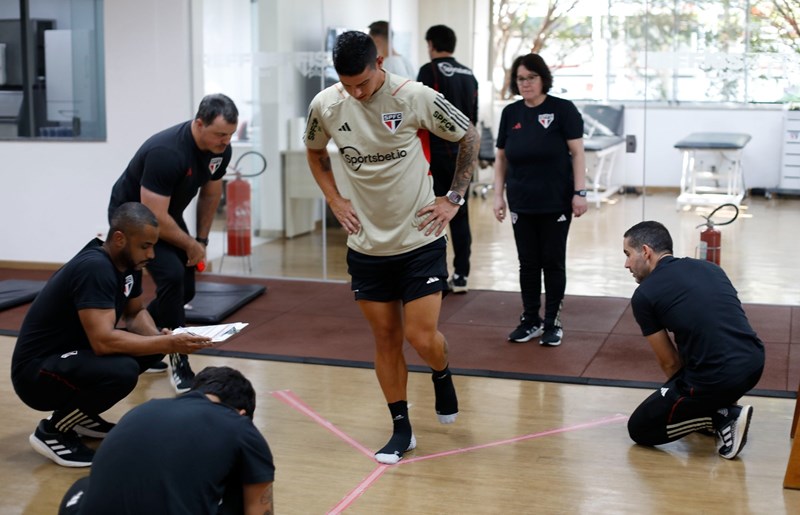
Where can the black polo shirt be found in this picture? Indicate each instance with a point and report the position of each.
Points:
(176, 456)
(695, 301)
(88, 281)
(539, 177)
(170, 164)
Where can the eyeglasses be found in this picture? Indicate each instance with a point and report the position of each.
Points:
(525, 80)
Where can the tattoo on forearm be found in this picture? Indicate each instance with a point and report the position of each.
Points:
(325, 163)
(467, 155)
(266, 498)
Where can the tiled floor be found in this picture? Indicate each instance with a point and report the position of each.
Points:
(759, 249)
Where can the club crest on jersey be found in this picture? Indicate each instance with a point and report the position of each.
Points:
(392, 121)
(128, 285)
(213, 165)
(546, 119)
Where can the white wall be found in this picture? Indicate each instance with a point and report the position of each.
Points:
(54, 195)
(658, 163)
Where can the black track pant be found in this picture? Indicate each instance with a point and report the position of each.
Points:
(542, 249)
(679, 408)
(175, 286)
(443, 169)
(461, 237)
(80, 380)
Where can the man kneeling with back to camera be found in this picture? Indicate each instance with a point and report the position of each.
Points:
(196, 453)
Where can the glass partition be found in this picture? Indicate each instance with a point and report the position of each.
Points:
(666, 69)
(272, 58)
(51, 70)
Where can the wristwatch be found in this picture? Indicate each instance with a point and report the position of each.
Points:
(455, 198)
(204, 241)
(580, 193)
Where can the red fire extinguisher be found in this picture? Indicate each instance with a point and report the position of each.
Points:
(711, 244)
(238, 223)
(237, 202)
(710, 247)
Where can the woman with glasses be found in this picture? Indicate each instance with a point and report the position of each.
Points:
(540, 164)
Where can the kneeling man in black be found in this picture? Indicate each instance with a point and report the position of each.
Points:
(716, 356)
(70, 358)
(197, 453)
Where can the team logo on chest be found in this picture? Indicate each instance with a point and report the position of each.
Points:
(128, 285)
(546, 119)
(213, 165)
(392, 121)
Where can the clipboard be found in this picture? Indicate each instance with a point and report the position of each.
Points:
(218, 333)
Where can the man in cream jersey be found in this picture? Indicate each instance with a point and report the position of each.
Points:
(396, 254)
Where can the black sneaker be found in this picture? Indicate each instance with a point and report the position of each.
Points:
(157, 367)
(66, 449)
(458, 284)
(526, 330)
(94, 427)
(552, 337)
(182, 375)
(732, 434)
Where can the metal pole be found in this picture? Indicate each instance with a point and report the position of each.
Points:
(322, 199)
(27, 83)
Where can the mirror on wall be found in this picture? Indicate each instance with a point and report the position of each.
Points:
(645, 75)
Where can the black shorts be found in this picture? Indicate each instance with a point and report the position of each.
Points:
(405, 277)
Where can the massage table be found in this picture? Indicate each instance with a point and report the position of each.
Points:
(712, 168)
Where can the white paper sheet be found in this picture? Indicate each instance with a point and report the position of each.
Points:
(217, 333)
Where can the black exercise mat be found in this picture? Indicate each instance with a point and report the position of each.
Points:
(213, 302)
(14, 292)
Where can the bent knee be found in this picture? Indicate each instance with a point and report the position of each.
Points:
(422, 340)
(645, 435)
(124, 374)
